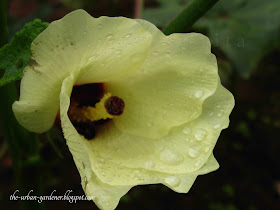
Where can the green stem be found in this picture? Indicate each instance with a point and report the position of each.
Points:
(23, 145)
(195, 10)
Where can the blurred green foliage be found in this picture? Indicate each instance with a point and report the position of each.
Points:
(244, 30)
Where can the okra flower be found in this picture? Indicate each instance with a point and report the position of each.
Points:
(136, 107)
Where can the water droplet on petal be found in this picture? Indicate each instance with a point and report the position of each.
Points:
(149, 164)
(197, 163)
(91, 58)
(206, 149)
(155, 53)
(101, 160)
(155, 178)
(194, 151)
(170, 157)
(198, 94)
(186, 130)
(109, 36)
(200, 134)
(173, 181)
(136, 172)
(128, 35)
(220, 114)
(217, 126)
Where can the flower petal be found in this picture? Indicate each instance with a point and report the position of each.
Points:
(104, 195)
(118, 175)
(157, 35)
(178, 75)
(183, 182)
(185, 149)
(102, 49)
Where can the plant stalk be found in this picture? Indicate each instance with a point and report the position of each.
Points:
(195, 10)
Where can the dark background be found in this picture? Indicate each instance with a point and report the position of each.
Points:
(245, 38)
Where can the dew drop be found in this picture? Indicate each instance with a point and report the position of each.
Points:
(186, 130)
(220, 114)
(217, 126)
(155, 53)
(155, 178)
(118, 51)
(91, 58)
(149, 164)
(109, 36)
(187, 139)
(197, 163)
(101, 160)
(149, 124)
(194, 151)
(206, 149)
(173, 181)
(198, 94)
(136, 172)
(200, 134)
(170, 157)
(128, 35)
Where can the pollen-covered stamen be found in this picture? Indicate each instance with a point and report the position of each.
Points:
(114, 105)
(89, 113)
(89, 110)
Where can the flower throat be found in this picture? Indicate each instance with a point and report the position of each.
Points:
(90, 107)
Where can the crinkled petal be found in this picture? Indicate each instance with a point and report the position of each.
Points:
(185, 149)
(102, 49)
(178, 75)
(118, 175)
(182, 183)
(114, 180)
(104, 195)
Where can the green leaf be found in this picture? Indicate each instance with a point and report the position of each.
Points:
(15, 55)
(244, 30)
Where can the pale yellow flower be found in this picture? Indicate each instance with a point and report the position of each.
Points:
(174, 106)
